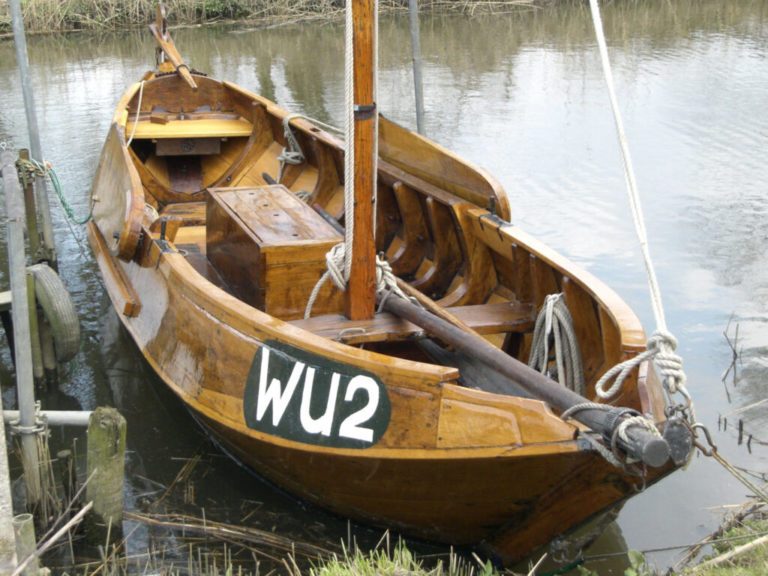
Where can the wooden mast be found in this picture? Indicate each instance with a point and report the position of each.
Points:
(361, 290)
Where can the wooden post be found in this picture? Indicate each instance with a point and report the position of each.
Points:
(24, 534)
(418, 81)
(106, 455)
(31, 208)
(361, 287)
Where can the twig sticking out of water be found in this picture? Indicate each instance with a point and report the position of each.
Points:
(181, 477)
(730, 521)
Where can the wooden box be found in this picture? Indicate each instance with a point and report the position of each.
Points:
(269, 248)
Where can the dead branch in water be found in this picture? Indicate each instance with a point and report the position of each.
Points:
(229, 532)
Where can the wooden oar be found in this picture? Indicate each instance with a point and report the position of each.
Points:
(159, 30)
(642, 445)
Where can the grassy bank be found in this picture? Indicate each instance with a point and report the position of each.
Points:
(69, 15)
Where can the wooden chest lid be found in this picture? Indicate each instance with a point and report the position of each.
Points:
(274, 216)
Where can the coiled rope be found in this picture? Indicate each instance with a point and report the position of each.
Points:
(661, 346)
(554, 326)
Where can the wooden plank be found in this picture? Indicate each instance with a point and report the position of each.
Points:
(429, 161)
(188, 146)
(479, 277)
(447, 258)
(259, 138)
(385, 327)
(124, 296)
(118, 196)
(192, 213)
(192, 128)
(411, 252)
(545, 281)
(586, 325)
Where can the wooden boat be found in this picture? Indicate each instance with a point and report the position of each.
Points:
(210, 258)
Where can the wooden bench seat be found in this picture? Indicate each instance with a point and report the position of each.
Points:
(191, 128)
(385, 327)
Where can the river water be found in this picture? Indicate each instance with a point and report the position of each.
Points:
(522, 95)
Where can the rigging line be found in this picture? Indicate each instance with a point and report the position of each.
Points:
(668, 362)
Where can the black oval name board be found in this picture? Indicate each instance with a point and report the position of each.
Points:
(304, 397)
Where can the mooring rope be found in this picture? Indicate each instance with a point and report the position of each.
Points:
(32, 168)
(662, 344)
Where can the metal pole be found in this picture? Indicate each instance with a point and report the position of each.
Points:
(418, 82)
(22, 60)
(56, 417)
(17, 268)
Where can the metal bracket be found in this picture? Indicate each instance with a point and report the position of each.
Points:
(364, 111)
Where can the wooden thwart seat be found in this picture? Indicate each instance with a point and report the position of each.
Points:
(384, 327)
(191, 128)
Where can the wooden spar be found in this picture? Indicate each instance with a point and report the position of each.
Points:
(651, 449)
(361, 290)
(159, 30)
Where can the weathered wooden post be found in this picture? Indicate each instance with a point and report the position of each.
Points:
(24, 533)
(106, 456)
(33, 235)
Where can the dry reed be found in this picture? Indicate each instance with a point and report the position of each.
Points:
(69, 15)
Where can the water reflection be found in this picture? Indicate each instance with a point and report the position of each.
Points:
(522, 95)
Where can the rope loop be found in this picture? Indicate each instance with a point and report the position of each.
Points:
(335, 258)
(670, 363)
(554, 327)
(292, 153)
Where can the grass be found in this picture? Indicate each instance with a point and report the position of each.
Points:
(69, 15)
(751, 563)
(399, 562)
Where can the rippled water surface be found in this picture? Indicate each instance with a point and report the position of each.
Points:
(523, 96)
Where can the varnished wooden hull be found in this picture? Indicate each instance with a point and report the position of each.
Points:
(449, 463)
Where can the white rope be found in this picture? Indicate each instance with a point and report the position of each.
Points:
(376, 111)
(138, 113)
(554, 323)
(386, 281)
(292, 152)
(669, 363)
(349, 150)
(621, 432)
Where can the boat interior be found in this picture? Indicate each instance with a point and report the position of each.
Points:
(215, 190)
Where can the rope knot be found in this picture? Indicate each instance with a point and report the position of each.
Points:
(670, 364)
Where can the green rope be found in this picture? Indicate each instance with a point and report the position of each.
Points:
(29, 169)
